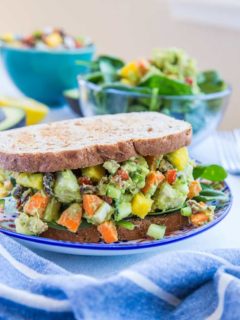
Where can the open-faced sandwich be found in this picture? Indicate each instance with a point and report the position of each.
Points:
(113, 177)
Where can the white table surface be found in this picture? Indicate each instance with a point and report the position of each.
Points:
(224, 235)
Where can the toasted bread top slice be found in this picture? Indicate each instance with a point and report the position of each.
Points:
(86, 142)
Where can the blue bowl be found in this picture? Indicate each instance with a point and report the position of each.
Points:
(44, 74)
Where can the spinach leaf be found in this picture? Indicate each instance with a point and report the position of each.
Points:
(109, 67)
(114, 61)
(166, 86)
(54, 225)
(212, 172)
(94, 77)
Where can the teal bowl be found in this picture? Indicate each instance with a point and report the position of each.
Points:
(44, 74)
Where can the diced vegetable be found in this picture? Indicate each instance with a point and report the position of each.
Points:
(179, 158)
(123, 174)
(71, 217)
(30, 225)
(198, 219)
(156, 231)
(139, 179)
(30, 180)
(108, 231)
(84, 181)
(113, 192)
(102, 214)
(171, 176)
(95, 173)
(186, 211)
(124, 209)
(3, 191)
(36, 205)
(141, 205)
(91, 203)
(52, 210)
(129, 166)
(154, 178)
(66, 187)
(111, 166)
(126, 224)
(194, 189)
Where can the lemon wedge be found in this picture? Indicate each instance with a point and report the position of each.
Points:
(35, 111)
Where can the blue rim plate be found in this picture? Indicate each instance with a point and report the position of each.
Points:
(7, 227)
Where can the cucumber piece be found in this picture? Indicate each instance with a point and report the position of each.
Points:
(30, 180)
(124, 210)
(113, 192)
(186, 212)
(126, 224)
(52, 211)
(156, 231)
(66, 187)
(102, 214)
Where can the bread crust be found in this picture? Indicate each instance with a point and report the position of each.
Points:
(173, 222)
(87, 142)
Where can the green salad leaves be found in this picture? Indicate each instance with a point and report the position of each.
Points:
(212, 172)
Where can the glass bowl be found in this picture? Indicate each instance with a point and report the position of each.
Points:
(203, 111)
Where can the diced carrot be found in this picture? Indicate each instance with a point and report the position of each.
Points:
(194, 189)
(153, 178)
(91, 203)
(71, 217)
(36, 205)
(171, 176)
(123, 174)
(199, 219)
(108, 231)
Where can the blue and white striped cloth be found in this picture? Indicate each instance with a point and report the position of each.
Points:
(179, 285)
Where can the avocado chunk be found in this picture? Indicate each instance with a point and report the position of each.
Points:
(30, 180)
(30, 225)
(11, 118)
(171, 196)
(52, 211)
(113, 192)
(111, 166)
(66, 187)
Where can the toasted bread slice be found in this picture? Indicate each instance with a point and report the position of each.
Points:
(174, 222)
(86, 142)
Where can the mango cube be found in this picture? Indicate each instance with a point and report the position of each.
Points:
(141, 205)
(95, 173)
(179, 158)
(53, 40)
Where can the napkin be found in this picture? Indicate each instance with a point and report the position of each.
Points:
(174, 285)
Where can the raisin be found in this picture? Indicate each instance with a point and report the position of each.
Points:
(48, 183)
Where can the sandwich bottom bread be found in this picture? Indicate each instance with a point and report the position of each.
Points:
(114, 200)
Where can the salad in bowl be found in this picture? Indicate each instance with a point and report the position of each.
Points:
(169, 82)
